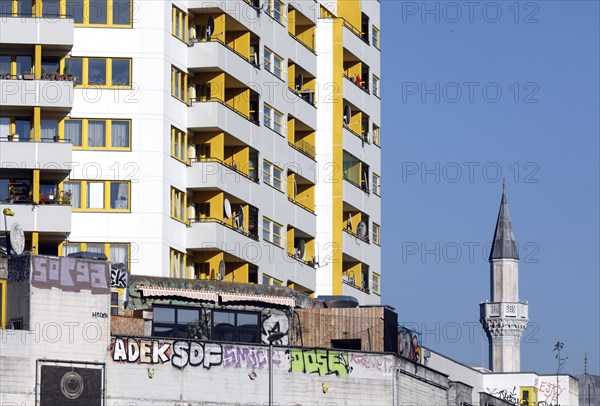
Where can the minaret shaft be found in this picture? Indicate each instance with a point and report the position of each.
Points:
(504, 318)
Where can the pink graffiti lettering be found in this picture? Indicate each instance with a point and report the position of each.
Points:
(378, 363)
(70, 274)
(248, 357)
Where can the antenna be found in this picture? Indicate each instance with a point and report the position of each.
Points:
(221, 274)
(210, 28)
(227, 208)
(17, 238)
(347, 115)
(350, 226)
(295, 187)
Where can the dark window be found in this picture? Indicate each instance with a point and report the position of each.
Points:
(238, 327)
(74, 67)
(175, 322)
(122, 12)
(75, 10)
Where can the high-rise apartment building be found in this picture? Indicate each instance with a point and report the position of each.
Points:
(223, 139)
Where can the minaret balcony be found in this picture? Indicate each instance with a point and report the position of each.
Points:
(517, 310)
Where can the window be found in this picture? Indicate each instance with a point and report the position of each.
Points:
(94, 133)
(179, 144)
(273, 119)
(176, 322)
(272, 175)
(275, 9)
(99, 195)
(268, 280)
(376, 184)
(118, 254)
(237, 327)
(376, 137)
(376, 283)
(273, 63)
(272, 232)
(179, 81)
(99, 72)
(99, 12)
(376, 236)
(180, 24)
(375, 35)
(49, 129)
(178, 264)
(179, 205)
(376, 86)
(351, 168)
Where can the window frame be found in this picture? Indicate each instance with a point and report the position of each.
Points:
(236, 329)
(177, 259)
(110, 15)
(375, 37)
(376, 86)
(271, 232)
(376, 283)
(179, 81)
(83, 196)
(377, 135)
(105, 249)
(376, 234)
(108, 63)
(376, 184)
(178, 331)
(275, 118)
(277, 15)
(181, 17)
(270, 57)
(179, 198)
(272, 179)
(108, 134)
(180, 139)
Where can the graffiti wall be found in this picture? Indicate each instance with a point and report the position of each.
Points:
(182, 354)
(70, 274)
(409, 344)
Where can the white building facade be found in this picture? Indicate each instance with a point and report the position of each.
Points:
(234, 140)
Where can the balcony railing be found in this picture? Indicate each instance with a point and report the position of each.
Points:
(18, 138)
(350, 282)
(364, 37)
(305, 95)
(362, 85)
(355, 235)
(62, 198)
(364, 137)
(253, 118)
(312, 263)
(252, 177)
(297, 203)
(364, 187)
(304, 148)
(304, 44)
(224, 224)
(251, 60)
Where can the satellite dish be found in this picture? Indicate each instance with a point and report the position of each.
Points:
(362, 230)
(227, 208)
(347, 114)
(300, 248)
(17, 238)
(350, 225)
(210, 27)
(239, 217)
(221, 274)
(299, 81)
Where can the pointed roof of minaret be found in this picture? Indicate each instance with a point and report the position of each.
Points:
(504, 245)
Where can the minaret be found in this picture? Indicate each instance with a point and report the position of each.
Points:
(505, 318)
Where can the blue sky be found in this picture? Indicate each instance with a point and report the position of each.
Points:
(473, 94)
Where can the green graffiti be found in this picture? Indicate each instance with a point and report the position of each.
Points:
(320, 362)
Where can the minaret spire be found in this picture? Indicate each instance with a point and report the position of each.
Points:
(504, 245)
(505, 317)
